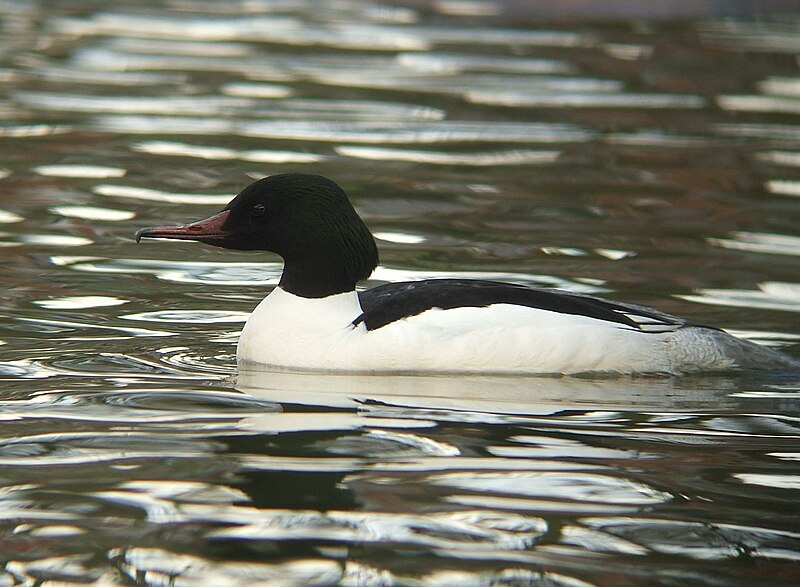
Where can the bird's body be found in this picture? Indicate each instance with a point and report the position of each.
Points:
(317, 320)
(330, 334)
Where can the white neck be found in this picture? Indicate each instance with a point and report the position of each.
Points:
(283, 320)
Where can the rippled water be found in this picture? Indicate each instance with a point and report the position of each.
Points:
(651, 161)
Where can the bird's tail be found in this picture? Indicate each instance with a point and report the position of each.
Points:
(751, 356)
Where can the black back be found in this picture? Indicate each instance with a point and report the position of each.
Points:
(388, 303)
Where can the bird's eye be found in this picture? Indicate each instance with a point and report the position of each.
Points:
(258, 210)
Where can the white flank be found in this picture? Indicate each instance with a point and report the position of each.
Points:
(317, 334)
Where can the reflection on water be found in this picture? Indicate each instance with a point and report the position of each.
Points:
(657, 162)
(553, 474)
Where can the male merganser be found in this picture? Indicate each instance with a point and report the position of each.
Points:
(316, 319)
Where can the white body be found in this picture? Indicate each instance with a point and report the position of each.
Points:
(317, 334)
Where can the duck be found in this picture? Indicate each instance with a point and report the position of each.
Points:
(317, 319)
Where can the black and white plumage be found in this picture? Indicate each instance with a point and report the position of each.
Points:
(317, 320)
(387, 303)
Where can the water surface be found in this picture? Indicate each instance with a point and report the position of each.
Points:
(656, 162)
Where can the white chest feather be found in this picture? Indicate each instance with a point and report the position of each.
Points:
(288, 330)
(301, 333)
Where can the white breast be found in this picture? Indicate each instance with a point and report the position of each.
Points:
(317, 334)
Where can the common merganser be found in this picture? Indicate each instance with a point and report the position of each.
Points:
(315, 319)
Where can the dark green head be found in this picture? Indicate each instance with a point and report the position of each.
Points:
(306, 219)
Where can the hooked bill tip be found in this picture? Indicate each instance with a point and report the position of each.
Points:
(142, 232)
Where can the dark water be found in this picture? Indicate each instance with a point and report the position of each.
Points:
(655, 162)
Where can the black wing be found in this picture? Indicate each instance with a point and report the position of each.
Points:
(388, 303)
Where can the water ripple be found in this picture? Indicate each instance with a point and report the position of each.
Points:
(701, 540)
(54, 240)
(516, 157)
(257, 90)
(472, 531)
(115, 365)
(78, 75)
(85, 328)
(151, 195)
(776, 244)
(783, 187)
(569, 487)
(189, 316)
(85, 171)
(183, 359)
(766, 480)
(172, 105)
(136, 406)
(7, 217)
(162, 148)
(79, 302)
(176, 27)
(771, 296)
(33, 130)
(586, 100)
(179, 271)
(754, 103)
(358, 131)
(127, 454)
(163, 567)
(787, 158)
(772, 37)
(93, 213)
(451, 63)
(389, 444)
(111, 61)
